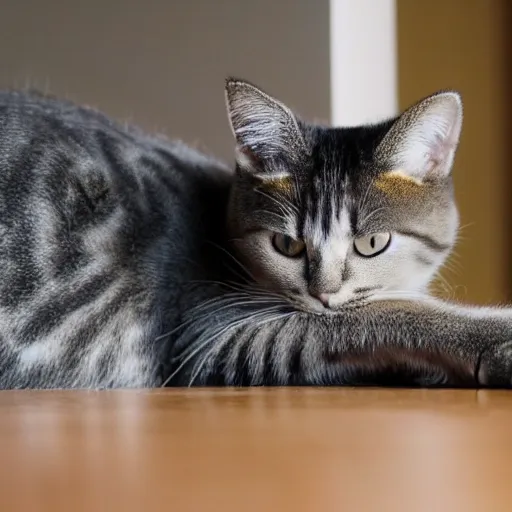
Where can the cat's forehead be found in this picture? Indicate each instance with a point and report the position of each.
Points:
(344, 190)
(341, 153)
(327, 219)
(340, 171)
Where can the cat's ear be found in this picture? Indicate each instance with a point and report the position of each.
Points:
(423, 140)
(264, 128)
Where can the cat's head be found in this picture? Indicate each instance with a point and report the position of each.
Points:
(331, 216)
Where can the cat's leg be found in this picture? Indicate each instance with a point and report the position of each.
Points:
(427, 343)
(442, 343)
(450, 344)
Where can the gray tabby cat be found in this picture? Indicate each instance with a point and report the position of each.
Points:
(130, 261)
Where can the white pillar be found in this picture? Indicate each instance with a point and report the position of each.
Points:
(363, 61)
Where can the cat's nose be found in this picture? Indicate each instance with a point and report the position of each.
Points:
(323, 298)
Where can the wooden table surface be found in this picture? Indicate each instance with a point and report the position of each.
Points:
(256, 450)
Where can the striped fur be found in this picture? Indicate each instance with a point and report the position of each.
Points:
(90, 271)
(130, 261)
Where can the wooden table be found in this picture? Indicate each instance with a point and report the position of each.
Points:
(256, 450)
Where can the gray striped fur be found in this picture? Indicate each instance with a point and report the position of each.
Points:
(132, 261)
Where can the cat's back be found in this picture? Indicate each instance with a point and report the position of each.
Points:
(98, 225)
(38, 117)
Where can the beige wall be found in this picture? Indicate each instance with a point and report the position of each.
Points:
(163, 64)
(461, 44)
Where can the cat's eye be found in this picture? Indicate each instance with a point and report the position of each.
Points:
(372, 245)
(287, 245)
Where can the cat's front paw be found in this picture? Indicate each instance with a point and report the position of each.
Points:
(495, 367)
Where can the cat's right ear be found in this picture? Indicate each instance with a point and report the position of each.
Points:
(423, 140)
(264, 128)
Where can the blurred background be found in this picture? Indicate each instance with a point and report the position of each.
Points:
(162, 65)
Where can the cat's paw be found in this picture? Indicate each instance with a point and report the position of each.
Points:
(495, 368)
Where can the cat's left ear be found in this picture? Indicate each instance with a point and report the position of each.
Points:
(264, 128)
(423, 140)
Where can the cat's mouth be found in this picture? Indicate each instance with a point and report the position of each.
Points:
(343, 301)
(317, 308)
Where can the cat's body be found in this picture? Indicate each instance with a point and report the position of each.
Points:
(119, 255)
(101, 229)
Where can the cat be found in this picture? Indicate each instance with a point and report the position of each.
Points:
(128, 260)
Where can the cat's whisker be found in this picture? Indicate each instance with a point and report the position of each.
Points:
(372, 213)
(221, 284)
(284, 205)
(249, 289)
(466, 226)
(233, 302)
(264, 291)
(448, 288)
(453, 266)
(235, 272)
(200, 366)
(280, 216)
(221, 329)
(213, 301)
(217, 308)
(227, 304)
(224, 302)
(362, 203)
(234, 259)
(194, 352)
(229, 297)
(296, 191)
(279, 202)
(445, 287)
